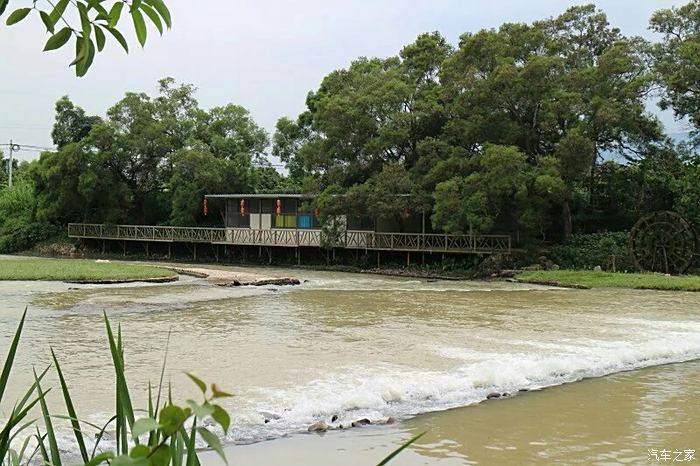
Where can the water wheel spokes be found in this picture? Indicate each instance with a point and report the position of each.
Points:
(663, 242)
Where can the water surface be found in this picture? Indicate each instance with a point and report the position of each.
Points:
(355, 345)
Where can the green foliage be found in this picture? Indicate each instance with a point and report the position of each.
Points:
(86, 21)
(678, 58)
(150, 161)
(594, 250)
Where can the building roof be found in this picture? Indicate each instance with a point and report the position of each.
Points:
(258, 196)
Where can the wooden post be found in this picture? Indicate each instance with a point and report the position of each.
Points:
(378, 259)
(103, 247)
(408, 258)
(194, 252)
(147, 255)
(169, 250)
(216, 252)
(298, 256)
(124, 245)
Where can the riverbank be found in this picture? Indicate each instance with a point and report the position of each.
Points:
(594, 279)
(81, 271)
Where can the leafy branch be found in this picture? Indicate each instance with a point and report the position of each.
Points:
(96, 19)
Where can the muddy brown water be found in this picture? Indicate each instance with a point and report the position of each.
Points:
(356, 346)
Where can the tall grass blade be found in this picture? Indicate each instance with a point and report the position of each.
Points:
(71, 410)
(124, 408)
(400, 449)
(42, 448)
(7, 367)
(51, 434)
(192, 459)
(100, 435)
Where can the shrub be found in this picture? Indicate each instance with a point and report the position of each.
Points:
(591, 250)
(21, 238)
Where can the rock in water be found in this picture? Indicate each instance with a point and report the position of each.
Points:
(334, 418)
(361, 422)
(319, 426)
(386, 420)
(491, 396)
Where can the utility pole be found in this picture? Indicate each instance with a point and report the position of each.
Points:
(13, 148)
(9, 168)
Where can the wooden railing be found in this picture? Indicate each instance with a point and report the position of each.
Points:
(147, 233)
(369, 240)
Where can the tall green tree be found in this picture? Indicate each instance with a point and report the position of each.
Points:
(72, 124)
(678, 59)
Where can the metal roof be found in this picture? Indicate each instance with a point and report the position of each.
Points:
(258, 196)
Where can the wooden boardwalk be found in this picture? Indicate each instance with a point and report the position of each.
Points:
(296, 238)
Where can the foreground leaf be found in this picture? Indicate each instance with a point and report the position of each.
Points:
(17, 16)
(213, 442)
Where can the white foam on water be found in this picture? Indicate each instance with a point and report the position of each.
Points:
(392, 390)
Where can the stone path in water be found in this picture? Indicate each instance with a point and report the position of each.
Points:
(233, 278)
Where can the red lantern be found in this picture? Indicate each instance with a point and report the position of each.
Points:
(242, 207)
(278, 207)
(205, 206)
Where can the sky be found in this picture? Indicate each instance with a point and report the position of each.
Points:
(265, 55)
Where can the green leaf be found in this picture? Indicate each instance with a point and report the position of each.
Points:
(17, 16)
(3, 6)
(120, 38)
(218, 393)
(201, 411)
(202, 386)
(400, 449)
(58, 11)
(46, 19)
(139, 26)
(125, 460)
(221, 416)
(9, 361)
(135, 5)
(192, 459)
(151, 13)
(139, 451)
(81, 69)
(171, 418)
(160, 456)
(84, 19)
(101, 458)
(99, 38)
(162, 10)
(58, 40)
(51, 434)
(115, 13)
(141, 426)
(213, 442)
(71, 410)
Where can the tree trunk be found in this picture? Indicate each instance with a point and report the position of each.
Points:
(566, 217)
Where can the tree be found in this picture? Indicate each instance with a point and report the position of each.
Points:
(375, 112)
(72, 124)
(678, 59)
(197, 172)
(88, 21)
(72, 185)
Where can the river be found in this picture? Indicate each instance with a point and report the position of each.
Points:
(365, 346)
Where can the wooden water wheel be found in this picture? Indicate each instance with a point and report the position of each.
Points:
(663, 242)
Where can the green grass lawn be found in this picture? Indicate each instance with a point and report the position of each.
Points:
(640, 281)
(77, 270)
